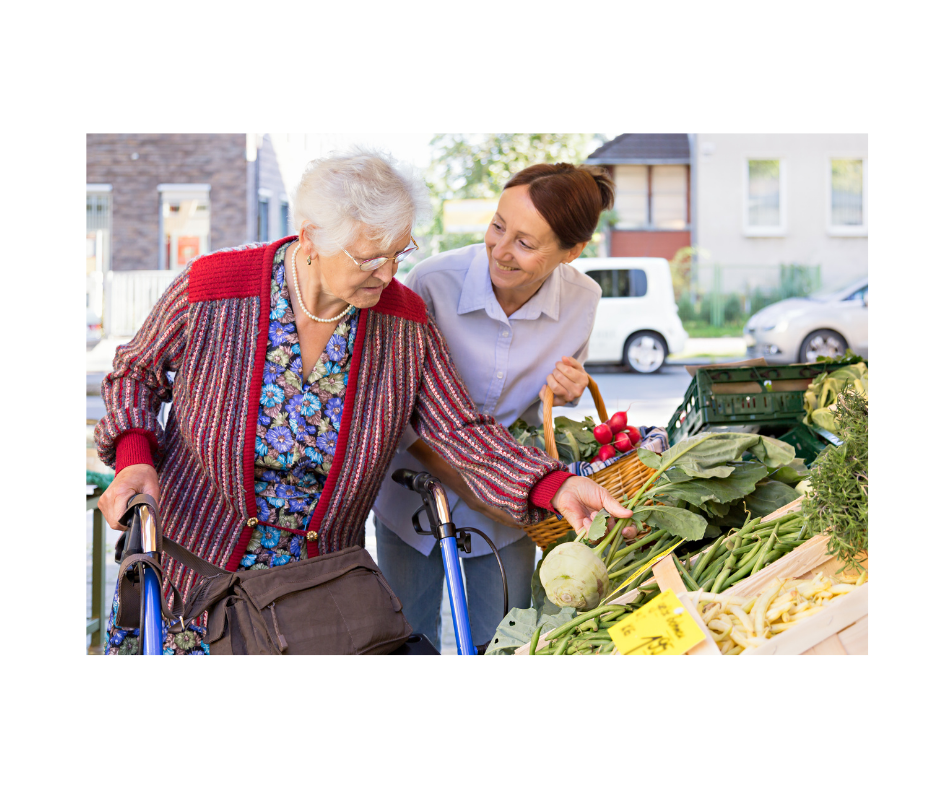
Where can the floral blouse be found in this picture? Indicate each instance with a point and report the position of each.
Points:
(298, 424)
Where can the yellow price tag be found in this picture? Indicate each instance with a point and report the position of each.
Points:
(661, 626)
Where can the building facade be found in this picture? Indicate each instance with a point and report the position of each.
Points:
(156, 201)
(654, 202)
(767, 199)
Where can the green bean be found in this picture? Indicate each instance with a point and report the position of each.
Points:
(762, 555)
(726, 568)
(570, 625)
(651, 536)
(741, 572)
(535, 640)
(563, 645)
(704, 560)
(690, 584)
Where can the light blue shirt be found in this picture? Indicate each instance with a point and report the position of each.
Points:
(503, 361)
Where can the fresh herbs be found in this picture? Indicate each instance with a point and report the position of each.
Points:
(838, 499)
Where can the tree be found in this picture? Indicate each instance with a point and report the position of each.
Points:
(467, 166)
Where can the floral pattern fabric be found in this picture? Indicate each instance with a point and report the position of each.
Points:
(295, 441)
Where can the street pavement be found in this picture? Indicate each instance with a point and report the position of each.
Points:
(649, 400)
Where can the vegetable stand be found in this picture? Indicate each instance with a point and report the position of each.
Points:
(734, 533)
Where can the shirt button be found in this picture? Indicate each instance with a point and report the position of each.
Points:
(499, 375)
(312, 536)
(505, 333)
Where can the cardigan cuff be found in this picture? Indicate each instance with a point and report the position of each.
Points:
(133, 448)
(545, 489)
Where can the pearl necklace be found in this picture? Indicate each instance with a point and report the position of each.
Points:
(300, 301)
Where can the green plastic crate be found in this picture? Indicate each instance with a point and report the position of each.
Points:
(704, 408)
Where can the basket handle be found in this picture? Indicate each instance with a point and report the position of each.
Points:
(548, 423)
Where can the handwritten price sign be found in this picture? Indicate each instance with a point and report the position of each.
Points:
(661, 626)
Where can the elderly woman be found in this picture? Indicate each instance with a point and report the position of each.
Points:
(517, 320)
(297, 366)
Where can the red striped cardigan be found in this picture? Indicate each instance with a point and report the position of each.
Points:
(210, 328)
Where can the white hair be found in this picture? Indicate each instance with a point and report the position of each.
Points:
(356, 193)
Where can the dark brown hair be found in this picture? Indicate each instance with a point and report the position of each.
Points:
(570, 198)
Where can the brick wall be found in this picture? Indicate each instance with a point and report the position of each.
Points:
(216, 159)
(624, 243)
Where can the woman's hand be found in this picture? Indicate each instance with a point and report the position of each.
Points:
(579, 500)
(129, 482)
(567, 381)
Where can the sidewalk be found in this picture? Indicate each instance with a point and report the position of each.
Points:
(708, 350)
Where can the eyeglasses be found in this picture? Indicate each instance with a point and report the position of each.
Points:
(377, 262)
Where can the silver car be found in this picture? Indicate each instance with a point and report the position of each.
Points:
(800, 330)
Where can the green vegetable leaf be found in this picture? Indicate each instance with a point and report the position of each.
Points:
(598, 526)
(768, 497)
(792, 473)
(649, 458)
(517, 628)
(741, 481)
(679, 522)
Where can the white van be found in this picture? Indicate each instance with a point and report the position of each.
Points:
(637, 321)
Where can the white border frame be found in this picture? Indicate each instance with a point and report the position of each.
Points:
(780, 230)
(847, 231)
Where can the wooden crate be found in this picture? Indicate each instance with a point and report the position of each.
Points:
(840, 628)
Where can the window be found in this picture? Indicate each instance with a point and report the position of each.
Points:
(263, 218)
(846, 204)
(652, 196)
(184, 223)
(765, 203)
(670, 197)
(858, 295)
(285, 219)
(97, 228)
(632, 200)
(621, 283)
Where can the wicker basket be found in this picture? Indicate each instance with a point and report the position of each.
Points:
(622, 478)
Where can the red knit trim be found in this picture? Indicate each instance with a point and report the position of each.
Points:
(134, 447)
(545, 488)
(262, 290)
(343, 438)
(399, 301)
(230, 274)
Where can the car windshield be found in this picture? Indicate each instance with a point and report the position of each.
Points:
(828, 293)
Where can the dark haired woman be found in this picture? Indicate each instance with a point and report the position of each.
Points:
(517, 319)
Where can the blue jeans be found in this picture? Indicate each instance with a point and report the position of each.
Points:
(418, 581)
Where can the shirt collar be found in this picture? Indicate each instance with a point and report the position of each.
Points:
(477, 292)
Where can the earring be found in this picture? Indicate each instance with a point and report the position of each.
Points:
(309, 261)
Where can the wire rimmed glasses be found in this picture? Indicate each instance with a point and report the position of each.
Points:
(374, 263)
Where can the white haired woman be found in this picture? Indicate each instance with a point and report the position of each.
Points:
(297, 367)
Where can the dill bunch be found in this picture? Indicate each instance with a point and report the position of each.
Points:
(838, 500)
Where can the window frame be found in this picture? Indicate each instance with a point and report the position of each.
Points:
(650, 226)
(846, 230)
(763, 231)
(172, 188)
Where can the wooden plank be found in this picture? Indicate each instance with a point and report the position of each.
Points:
(834, 617)
(831, 645)
(855, 638)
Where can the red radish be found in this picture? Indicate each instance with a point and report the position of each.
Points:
(603, 434)
(634, 434)
(606, 452)
(593, 459)
(618, 421)
(622, 442)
